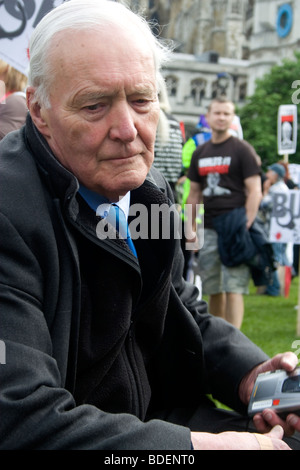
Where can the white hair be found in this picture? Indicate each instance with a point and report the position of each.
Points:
(83, 15)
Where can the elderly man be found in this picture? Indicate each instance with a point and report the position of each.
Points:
(106, 348)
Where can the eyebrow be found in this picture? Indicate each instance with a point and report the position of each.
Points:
(94, 96)
(86, 97)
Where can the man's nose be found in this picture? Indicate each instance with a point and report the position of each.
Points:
(122, 125)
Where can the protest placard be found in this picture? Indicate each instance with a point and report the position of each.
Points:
(285, 225)
(294, 171)
(285, 218)
(287, 129)
(18, 18)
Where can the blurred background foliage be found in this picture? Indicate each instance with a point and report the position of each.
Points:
(259, 115)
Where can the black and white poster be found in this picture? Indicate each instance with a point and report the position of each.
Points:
(285, 218)
(18, 18)
(287, 129)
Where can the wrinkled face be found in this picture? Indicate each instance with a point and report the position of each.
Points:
(220, 116)
(104, 109)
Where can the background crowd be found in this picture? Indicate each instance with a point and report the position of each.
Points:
(109, 347)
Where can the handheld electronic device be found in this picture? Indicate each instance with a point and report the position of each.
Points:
(277, 390)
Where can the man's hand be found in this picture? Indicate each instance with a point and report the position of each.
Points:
(240, 440)
(269, 418)
(270, 426)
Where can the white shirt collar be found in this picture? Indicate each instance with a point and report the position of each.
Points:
(123, 203)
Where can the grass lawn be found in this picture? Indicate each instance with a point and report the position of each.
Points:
(271, 322)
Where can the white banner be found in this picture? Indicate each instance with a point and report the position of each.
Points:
(18, 18)
(294, 171)
(287, 129)
(285, 218)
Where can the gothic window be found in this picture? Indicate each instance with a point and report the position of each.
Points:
(198, 90)
(243, 91)
(236, 7)
(172, 85)
(214, 89)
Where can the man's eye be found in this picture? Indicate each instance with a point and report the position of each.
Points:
(142, 103)
(93, 107)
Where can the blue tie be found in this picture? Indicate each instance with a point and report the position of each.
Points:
(115, 216)
(118, 219)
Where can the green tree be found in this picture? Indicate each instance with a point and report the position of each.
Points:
(259, 115)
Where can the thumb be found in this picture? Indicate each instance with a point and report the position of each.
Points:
(276, 432)
(272, 440)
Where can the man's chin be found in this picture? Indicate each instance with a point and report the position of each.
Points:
(115, 194)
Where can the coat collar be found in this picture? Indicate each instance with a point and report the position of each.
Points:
(61, 181)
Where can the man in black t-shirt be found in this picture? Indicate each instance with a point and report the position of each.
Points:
(224, 175)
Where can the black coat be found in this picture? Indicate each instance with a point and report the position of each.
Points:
(155, 345)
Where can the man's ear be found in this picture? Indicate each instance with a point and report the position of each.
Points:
(36, 112)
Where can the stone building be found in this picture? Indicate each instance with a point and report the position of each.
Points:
(275, 34)
(220, 47)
